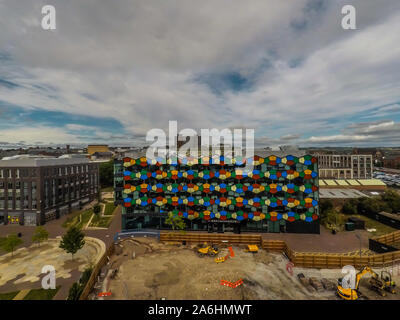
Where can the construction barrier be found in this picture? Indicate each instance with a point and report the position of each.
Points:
(231, 284)
(221, 259)
(197, 237)
(389, 239)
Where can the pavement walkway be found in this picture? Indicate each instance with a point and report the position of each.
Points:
(55, 229)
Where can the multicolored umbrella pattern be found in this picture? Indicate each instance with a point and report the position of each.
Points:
(215, 188)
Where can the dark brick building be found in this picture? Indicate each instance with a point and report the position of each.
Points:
(36, 190)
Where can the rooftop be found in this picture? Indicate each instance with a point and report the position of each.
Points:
(40, 162)
(340, 194)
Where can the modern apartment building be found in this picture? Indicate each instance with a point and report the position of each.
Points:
(345, 166)
(36, 190)
(279, 194)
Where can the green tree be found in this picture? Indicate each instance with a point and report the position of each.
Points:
(75, 291)
(96, 209)
(369, 205)
(176, 222)
(392, 200)
(72, 241)
(85, 276)
(325, 206)
(41, 234)
(10, 243)
(106, 171)
(350, 206)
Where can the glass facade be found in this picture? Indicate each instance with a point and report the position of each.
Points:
(279, 194)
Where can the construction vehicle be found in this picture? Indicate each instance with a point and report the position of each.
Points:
(388, 282)
(352, 293)
(380, 285)
(252, 248)
(207, 251)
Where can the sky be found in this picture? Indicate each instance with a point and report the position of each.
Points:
(112, 70)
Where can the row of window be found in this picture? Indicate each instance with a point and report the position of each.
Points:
(33, 172)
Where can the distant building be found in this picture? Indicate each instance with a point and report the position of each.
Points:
(104, 156)
(392, 161)
(93, 148)
(345, 166)
(377, 154)
(36, 190)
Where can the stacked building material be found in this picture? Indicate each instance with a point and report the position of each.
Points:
(328, 285)
(317, 285)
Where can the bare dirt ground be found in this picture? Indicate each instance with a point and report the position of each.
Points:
(171, 272)
(176, 272)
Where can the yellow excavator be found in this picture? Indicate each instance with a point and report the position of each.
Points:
(377, 284)
(351, 293)
(207, 251)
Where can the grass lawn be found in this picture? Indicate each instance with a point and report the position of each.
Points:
(369, 224)
(42, 294)
(8, 296)
(109, 209)
(373, 224)
(101, 222)
(79, 219)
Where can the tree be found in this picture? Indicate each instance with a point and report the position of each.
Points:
(77, 288)
(369, 205)
(325, 206)
(106, 171)
(392, 200)
(72, 241)
(10, 243)
(41, 234)
(75, 292)
(350, 207)
(176, 222)
(96, 209)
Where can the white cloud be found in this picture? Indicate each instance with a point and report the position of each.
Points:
(137, 61)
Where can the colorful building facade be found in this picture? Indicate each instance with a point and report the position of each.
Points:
(279, 194)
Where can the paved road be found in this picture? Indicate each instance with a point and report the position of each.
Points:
(341, 242)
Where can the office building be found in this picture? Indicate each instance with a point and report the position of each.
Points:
(345, 166)
(35, 190)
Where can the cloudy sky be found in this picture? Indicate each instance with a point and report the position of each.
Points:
(112, 70)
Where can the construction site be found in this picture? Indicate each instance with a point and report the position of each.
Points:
(143, 268)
